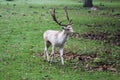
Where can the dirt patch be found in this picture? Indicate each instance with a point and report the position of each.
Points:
(106, 37)
(89, 62)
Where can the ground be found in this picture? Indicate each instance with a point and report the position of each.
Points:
(91, 53)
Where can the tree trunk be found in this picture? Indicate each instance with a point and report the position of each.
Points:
(88, 3)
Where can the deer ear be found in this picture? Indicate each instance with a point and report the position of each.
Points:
(63, 27)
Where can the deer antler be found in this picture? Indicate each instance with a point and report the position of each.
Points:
(52, 12)
(69, 21)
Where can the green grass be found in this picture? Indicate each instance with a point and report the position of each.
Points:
(22, 24)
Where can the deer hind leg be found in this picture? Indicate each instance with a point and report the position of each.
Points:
(52, 53)
(46, 55)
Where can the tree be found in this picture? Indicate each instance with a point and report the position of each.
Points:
(88, 3)
(9, 0)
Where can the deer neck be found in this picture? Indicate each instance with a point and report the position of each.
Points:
(64, 35)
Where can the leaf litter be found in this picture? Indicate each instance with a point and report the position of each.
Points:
(103, 36)
(86, 60)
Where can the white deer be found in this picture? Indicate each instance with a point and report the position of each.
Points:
(57, 38)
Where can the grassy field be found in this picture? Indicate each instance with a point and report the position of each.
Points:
(23, 22)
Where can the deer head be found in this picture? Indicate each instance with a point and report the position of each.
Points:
(67, 27)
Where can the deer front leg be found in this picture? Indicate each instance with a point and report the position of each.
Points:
(61, 55)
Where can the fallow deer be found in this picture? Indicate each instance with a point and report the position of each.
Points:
(57, 38)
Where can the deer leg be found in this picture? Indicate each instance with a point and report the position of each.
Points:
(52, 53)
(46, 55)
(61, 55)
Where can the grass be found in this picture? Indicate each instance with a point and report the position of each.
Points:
(22, 23)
